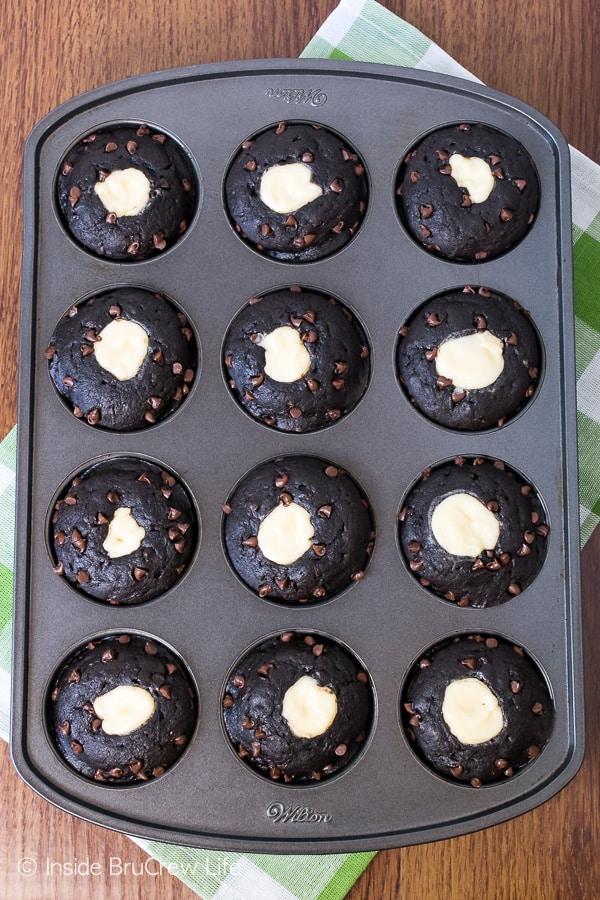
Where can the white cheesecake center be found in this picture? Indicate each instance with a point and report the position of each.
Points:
(288, 187)
(471, 711)
(474, 174)
(309, 708)
(286, 356)
(285, 534)
(472, 361)
(121, 348)
(125, 192)
(124, 709)
(464, 526)
(124, 535)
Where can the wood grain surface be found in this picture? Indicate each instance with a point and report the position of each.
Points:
(541, 51)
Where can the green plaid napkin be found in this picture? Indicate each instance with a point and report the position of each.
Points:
(365, 31)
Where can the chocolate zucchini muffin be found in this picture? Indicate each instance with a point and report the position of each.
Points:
(297, 708)
(298, 529)
(127, 193)
(296, 192)
(469, 359)
(473, 531)
(477, 709)
(123, 359)
(468, 192)
(123, 531)
(122, 709)
(296, 359)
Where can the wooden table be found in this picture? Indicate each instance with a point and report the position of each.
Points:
(541, 51)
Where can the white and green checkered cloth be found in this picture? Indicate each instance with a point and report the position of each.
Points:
(359, 30)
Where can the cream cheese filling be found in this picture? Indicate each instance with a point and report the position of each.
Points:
(124, 192)
(471, 711)
(121, 348)
(309, 708)
(286, 356)
(288, 187)
(285, 534)
(472, 361)
(124, 709)
(464, 526)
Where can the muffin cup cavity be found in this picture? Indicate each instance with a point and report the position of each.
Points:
(121, 709)
(123, 326)
(482, 737)
(298, 708)
(467, 192)
(322, 334)
(473, 531)
(127, 192)
(296, 191)
(458, 393)
(123, 531)
(325, 517)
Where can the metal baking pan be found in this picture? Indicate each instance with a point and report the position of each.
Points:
(210, 799)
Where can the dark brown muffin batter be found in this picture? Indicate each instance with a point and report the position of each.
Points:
(306, 494)
(124, 531)
(113, 684)
(494, 571)
(446, 216)
(518, 695)
(142, 397)
(329, 383)
(164, 173)
(255, 701)
(481, 314)
(305, 229)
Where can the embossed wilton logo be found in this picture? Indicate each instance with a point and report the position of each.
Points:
(315, 97)
(280, 813)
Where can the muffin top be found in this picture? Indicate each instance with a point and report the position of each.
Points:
(296, 192)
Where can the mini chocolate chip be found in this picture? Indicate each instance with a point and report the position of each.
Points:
(76, 747)
(74, 195)
(265, 669)
(139, 574)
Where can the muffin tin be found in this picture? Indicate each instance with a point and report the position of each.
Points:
(387, 797)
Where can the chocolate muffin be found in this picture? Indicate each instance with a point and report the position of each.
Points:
(123, 531)
(473, 531)
(477, 709)
(469, 359)
(296, 359)
(468, 192)
(123, 359)
(122, 709)
(297, 708)
(296, 192)
(298, 529)
(127, 192)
